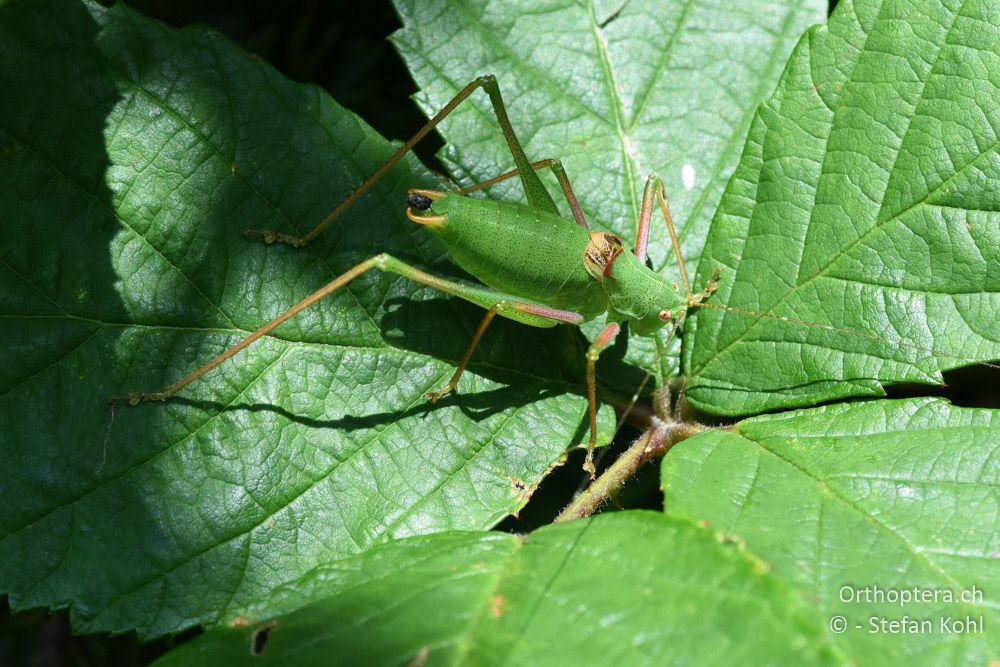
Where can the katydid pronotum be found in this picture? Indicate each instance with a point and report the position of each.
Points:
(536, 267)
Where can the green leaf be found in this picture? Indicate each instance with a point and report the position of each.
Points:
(616, 90)
(669, 591)
(133, 156)
(865, 201)
(890, 495)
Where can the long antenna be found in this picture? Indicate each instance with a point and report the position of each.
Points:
(839, 330)
(698, 300)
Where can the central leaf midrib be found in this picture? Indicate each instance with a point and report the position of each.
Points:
(617, 113)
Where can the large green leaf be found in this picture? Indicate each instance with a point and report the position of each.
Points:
(616, 90)
(132, 157)
(669, 593)
(851, 499)
(866, 200)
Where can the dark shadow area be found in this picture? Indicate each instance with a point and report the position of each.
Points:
(970, 387)
(560, 486)
(476, 407)
(336, 44)
(43, 639)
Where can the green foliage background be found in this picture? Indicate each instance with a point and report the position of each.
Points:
(841, 483)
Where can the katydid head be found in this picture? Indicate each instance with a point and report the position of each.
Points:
(637, 293)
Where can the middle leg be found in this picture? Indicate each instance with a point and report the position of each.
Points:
(602, 341)
(560, 174)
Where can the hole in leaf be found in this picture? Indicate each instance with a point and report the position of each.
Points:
(259, 638)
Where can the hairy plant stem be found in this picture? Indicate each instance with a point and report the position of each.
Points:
(653, 443)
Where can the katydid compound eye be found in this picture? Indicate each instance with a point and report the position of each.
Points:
(419, 201)
(664, 315)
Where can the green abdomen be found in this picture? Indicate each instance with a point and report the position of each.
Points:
(521, 251)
